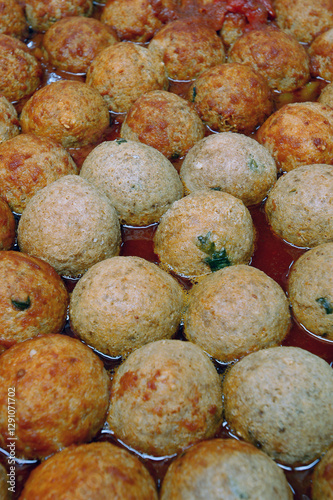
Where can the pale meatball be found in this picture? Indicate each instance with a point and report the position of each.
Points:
(20, 71)
(187, 47)
(165, 396)
(321, 57)
(299, 134)
(235, 311)
(230, 162)
(224, 468)
(326, 95)
(95, 470)
(71, 225)
(164, 121)
(231, 97)
(204, 232)
(12, 20)
(279, 57)
(9, 123)
(281, 400)
(304, 19)
(37, 161)
(138, 180)
(123, 72)
(61, 395)
(69, 112)
(41, 14)
(322, 479)
(233, 27)
(299, 208)
(122, 303)
(72, 43)
(7, 226)
(310, 289)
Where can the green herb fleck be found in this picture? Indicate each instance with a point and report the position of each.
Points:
(326, 304)
(21, 305)
(253, 165)
(194, 93)
(216, 188)
(175, 156)
(216, 259)
(120, 141)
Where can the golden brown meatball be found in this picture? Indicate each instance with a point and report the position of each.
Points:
(277, 56)
(322, 478)
(326, 95)
(233, 27)
(41, 14)
(67, 111)
(71, 225)
(33, 298)
(12, 18)
(72, 43)
(231, 97)
(165, 396)
(164, 121)
(299, 134)
(321, 57)
(95, 470)
(7, 226)
(187, 47)
(60, 390)
(27, 164)
(9, 124)
(20, 72)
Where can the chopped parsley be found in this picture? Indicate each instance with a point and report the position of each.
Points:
(253, 165)
(120, 141)
(326, 304)
(20, 304)
(194, 93)
(216, 259)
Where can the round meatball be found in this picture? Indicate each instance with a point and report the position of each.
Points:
(326, 95)
(71, 225)
(123, 303)
(61, 394)
(279, 57)
(321, 57)
(33, 298)
(231, 97)
(67, 111)
(5, 482)
(72, 43)
(235, 311)
(95, 470)
(138, 180)
(7, 226)
(299, 208)
(224, 468)
(233, 27)
(187, 47)
(9, 124)
(299, 134)
(20, 71)
(310, 289)
(27, 164)
(164, 121)
(304, 19)
(12, 19)
(165, 396)
(230, 162)
(41, 14)
(281, 400)
(204, 232)
(322, 479)
(123, 72)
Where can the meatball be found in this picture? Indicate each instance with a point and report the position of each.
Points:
(20, 72)
(204, 232)
(235, 311)
(299, 208)
(61, 394)
(70, 225)
(164, 121)
(187, 47)
(138, 180)
(12, 19)
(321, 57)
(224, 468)
(165, 396)
(123, 303)
(233, 27)
(41, 14)
(33, 298)
(95, 470)
(67, 111)
(326, 95)
(322, 480)
(230, 162)
(281, 400)
(304, 19)
(279, 57)
(231, 97)
(72, 43)
(27, 164)
(7, 226)
(9, 124)
(310, 289)
(123, 72)
(299, 134)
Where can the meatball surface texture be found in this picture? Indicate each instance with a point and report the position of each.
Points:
(41, 14)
